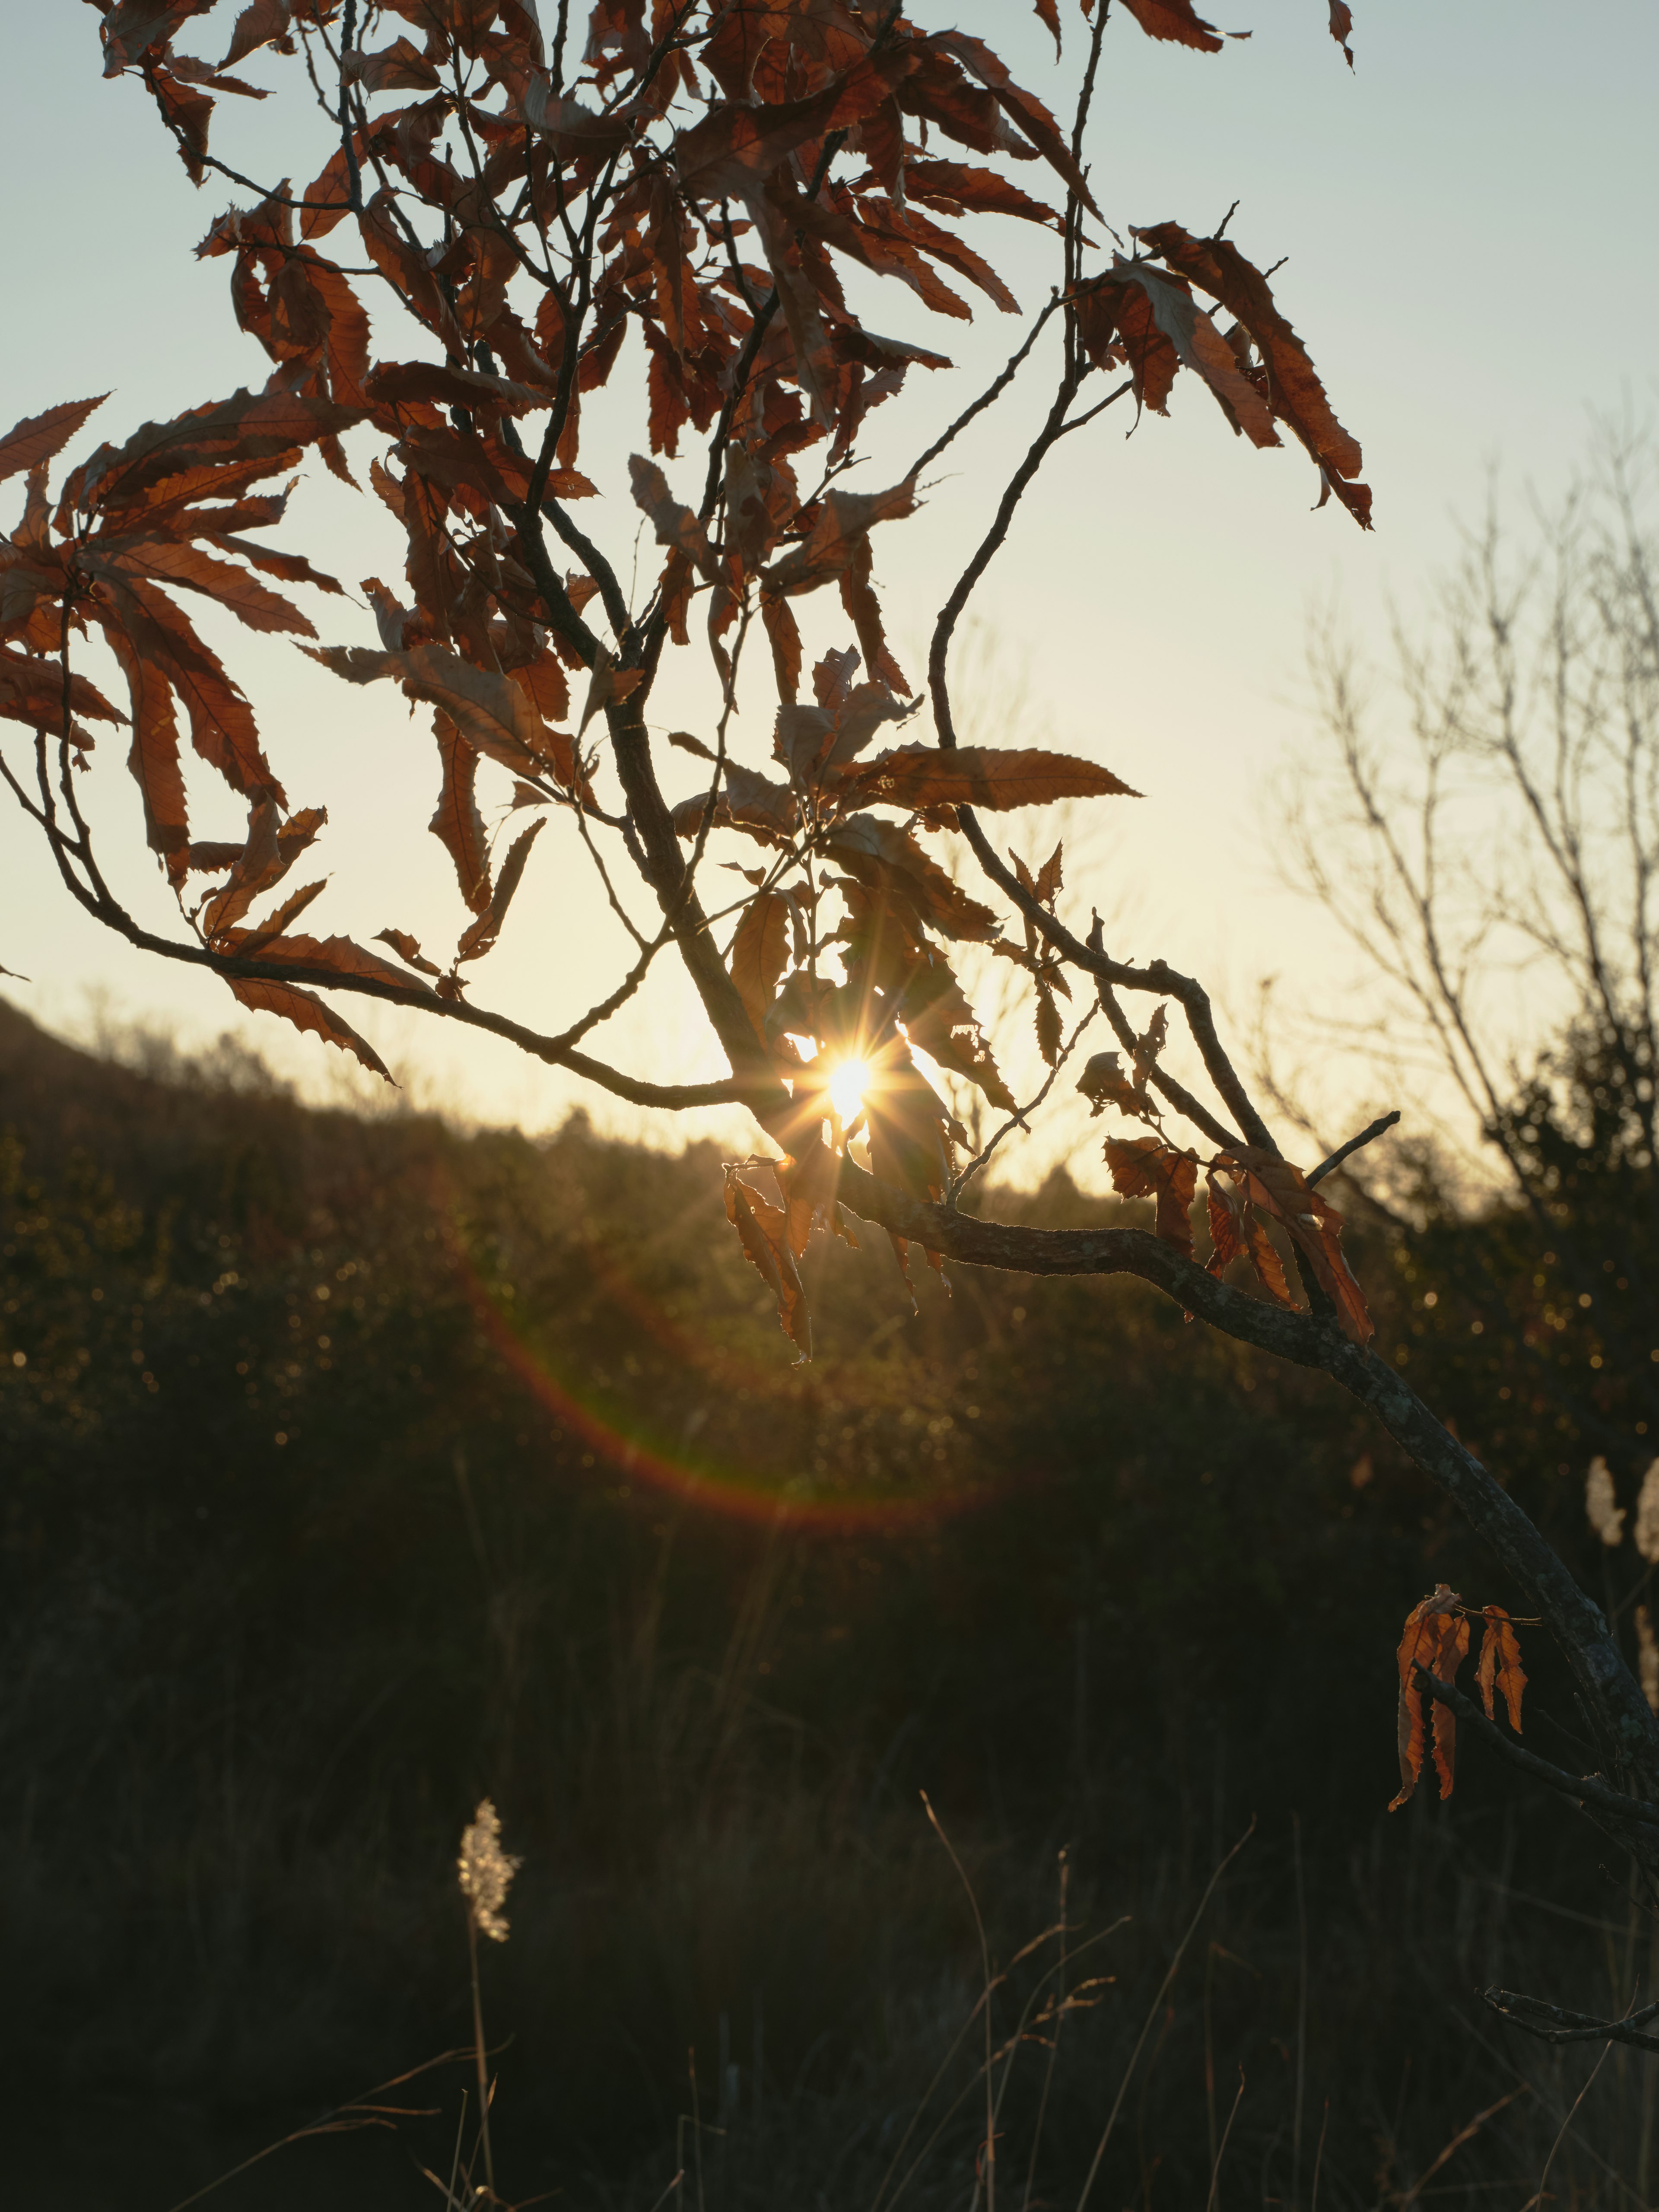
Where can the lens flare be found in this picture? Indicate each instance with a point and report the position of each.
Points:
(847, 1085)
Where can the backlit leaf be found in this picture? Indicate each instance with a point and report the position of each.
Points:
(480, 936)
(916, 776)
(764, 1232)
(760, 952)
(1145, 1167)
(38, 437)
(1500, 1664)
(457, 822)
(307, 1012)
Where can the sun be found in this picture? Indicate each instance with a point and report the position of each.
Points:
(847, 1085)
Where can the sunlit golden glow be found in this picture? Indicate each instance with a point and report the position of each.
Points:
(847, 1085)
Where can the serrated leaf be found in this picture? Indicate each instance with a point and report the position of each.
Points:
(764, 1230)
(457, 823)
(1145, 1167)
(916, 776)
(38, 437)
(760, 952)
(306, 1010)
(481, 937)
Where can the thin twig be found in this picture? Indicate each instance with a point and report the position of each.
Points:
(1016, 1120)
(992, 393)
(1583, 1789)
(1354, 1143)
(1551, 2023)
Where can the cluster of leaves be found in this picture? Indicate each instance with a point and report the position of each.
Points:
(704, 176)
(1245, 1187)
(1435, 1642)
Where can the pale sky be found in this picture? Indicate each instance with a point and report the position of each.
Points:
(1466, 220)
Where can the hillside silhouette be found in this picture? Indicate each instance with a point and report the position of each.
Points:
(358, 1468)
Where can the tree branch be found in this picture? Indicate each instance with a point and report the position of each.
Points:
(1354, 1143)
(1563, 2027)
(1583, 1789)
(1629, 1730)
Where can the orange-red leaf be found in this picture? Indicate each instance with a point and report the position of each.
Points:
(1293, 389)
(248, 426)
(158, 632)
(307, 1012)
(154, 757)
(1450, 1655)
(1145, 1167)
(1500, 1664)
(1023, 109)
(1314, 1225)
(38, 437)
(272, 848)
(913, 776)
(1429, 1636)
(188, 568)
(732, 149)
(764, 1230)
(480, 936)
(760, 951)
(953, 187)
(31, 690)
(458, 822)
(259, 22)
(408, 948)
(1175, 19)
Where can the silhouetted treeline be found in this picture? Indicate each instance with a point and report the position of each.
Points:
(356, 1467)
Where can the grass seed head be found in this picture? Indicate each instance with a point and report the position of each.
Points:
(486, 1871)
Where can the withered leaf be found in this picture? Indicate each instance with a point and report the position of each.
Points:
(31, 690)
(731, 149)
(1049, 1030)
(189, 567)
(248, 426)
(38, 437)
(259, 24)
(1314, 1225)
(408, 948)
(1500, 1664)
(760, 952)
(882, 854)
(608, 686)
(457, 823)
(764, 1232)
(1293, 389)
(442, 386)
(674, 523)
(1145, 1167)
(480, 938)
(1436, 1637)
(915, 776)
(307, 1012)
(272, 848)
(1176, 19)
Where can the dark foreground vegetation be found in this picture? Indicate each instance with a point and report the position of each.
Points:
(355, 1469)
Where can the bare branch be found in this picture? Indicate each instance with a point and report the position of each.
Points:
(1344, 1151)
